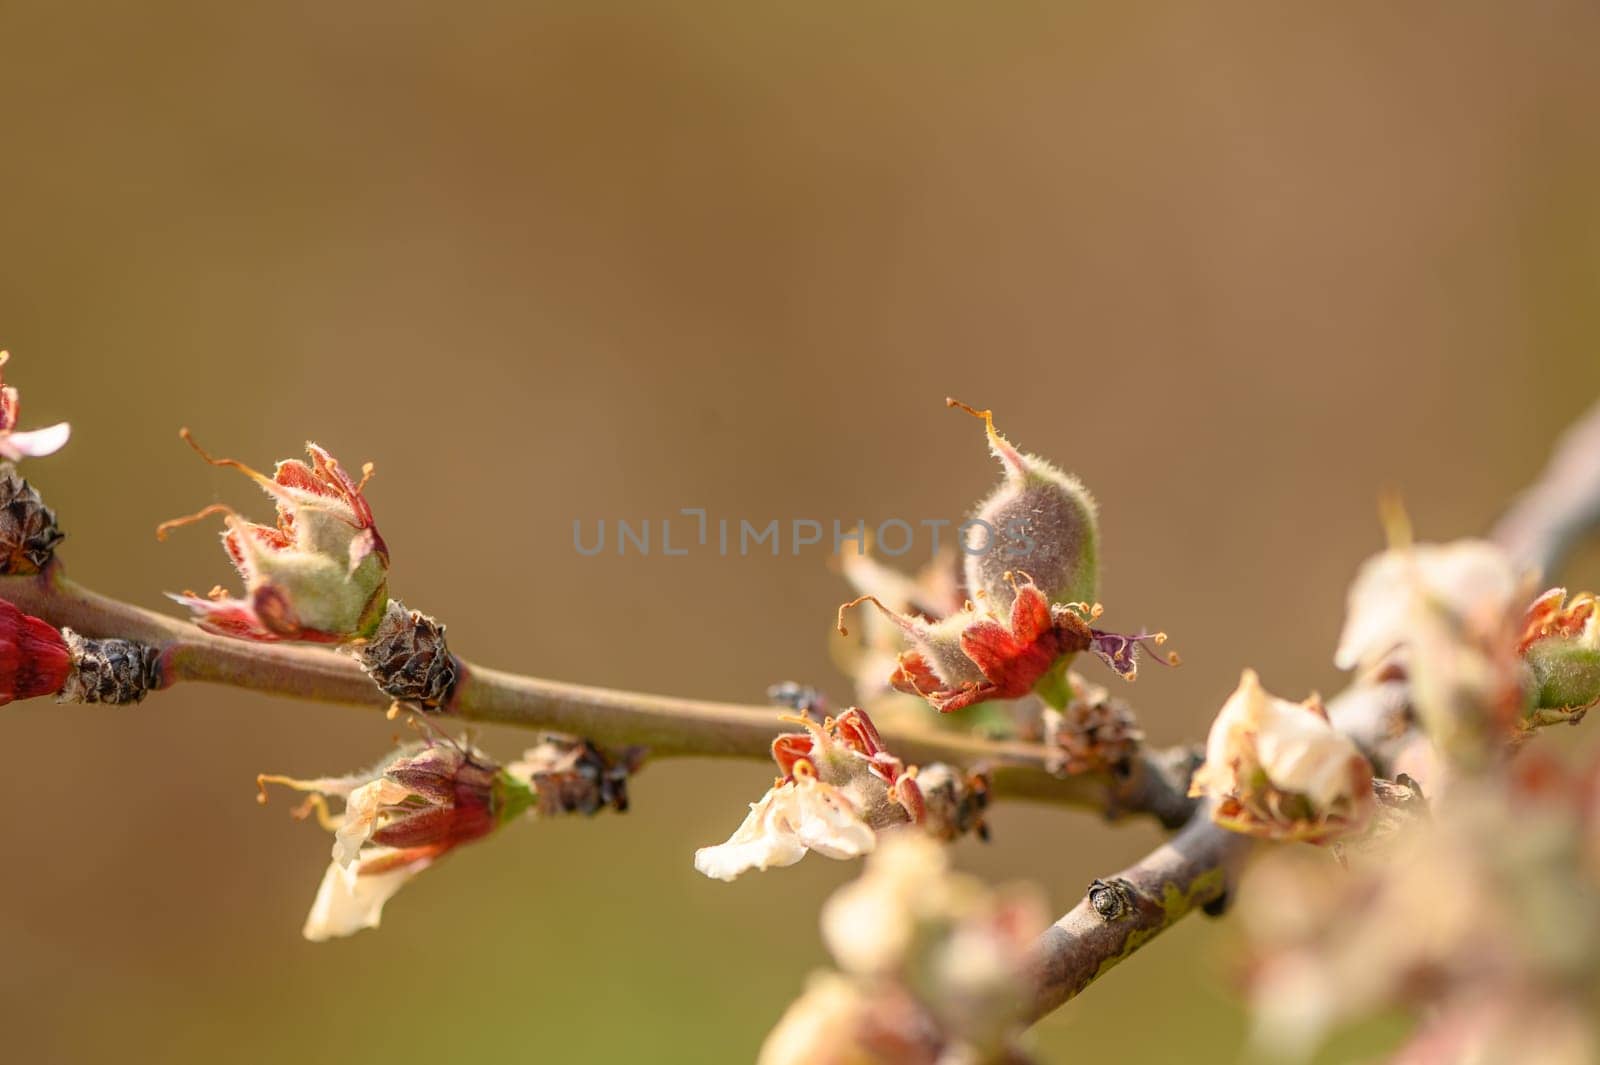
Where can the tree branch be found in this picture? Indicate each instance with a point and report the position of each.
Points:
(1119, 915)
(1196, 867)
(1154, 784)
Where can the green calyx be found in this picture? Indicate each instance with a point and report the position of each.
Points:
(1566, 674)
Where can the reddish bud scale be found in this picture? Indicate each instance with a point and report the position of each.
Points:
(34, 659)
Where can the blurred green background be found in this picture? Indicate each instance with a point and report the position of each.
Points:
(1239, 266)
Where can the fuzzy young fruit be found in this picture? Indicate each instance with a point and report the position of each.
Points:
(1039, 520)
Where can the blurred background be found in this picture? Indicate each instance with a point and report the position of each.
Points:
(1239, 266)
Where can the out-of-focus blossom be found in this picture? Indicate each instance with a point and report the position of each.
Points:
(30, 443)
(839, 785)
(34, 659)
(1481, 907)
(1278, 769)
(932, 962)
(319, 575)
(398, 819)
(839, 1021)
(1468, 579)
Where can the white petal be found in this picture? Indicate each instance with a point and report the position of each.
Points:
(1299, 751)
(827, 823)
(762, 841)
(35, 443)
(346, 903)
(789, 820)
(361, 816)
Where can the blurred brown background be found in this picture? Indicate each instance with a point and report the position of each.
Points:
(1239, 266)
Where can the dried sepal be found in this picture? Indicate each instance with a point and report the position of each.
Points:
(29, 534)
(1279, 770)
(976, 655)
(113, 672)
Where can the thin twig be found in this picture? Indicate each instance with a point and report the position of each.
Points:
(1154, 784)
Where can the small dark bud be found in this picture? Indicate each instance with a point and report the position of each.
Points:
(573, 776)
(408, 659)
(1093, 732)
(801, 698)
(1114, 899)
(28, 531)
(954, 801)
(113, 672)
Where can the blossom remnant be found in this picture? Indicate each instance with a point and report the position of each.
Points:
(1279, 770)
(397, 820)
(839, 785)
(320, 574)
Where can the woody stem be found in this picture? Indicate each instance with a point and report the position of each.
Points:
(1154, 784)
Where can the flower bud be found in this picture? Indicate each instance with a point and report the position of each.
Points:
(1040, 520)
(408, 659)
(34, 659)
(319, 575)
(839, 785)
(1278, 769)
(573, 776)
(32, 443)
(397, 820)
(28, 531)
